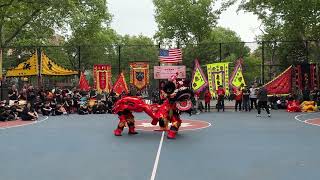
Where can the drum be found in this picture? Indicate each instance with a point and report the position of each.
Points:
(185, 105)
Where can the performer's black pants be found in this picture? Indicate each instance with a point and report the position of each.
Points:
(253, 101)
(207, 106)
(238, 103)
(263, 104)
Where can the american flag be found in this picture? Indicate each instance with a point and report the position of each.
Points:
(170, 56)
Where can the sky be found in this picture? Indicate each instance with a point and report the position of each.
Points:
(136, 17)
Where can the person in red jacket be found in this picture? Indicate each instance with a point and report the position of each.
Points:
(238, 98)
(221, 93)
(207, 99)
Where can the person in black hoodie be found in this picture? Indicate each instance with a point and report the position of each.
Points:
(28, 113)
(263, 101)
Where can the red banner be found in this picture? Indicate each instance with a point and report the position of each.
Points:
(139, 74)
(120, 85)
(83, 83)
(281, 84)
(102, 77)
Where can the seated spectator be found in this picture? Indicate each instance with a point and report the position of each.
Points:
(46, 109)
(60, 110)
(101, 108)
(28, 113)
(16, 109)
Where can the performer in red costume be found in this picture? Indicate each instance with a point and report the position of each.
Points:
(176, 101)
(125, 117)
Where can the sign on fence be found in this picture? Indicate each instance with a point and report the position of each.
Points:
(165, 72)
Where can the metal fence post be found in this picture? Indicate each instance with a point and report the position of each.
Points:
(79, 61)
(39, 66)
(119, 59)
(307, 51)
(262, 63)
(159, 82)
(1, 81)
(220, 52)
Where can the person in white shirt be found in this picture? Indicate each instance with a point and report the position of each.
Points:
(253, 96)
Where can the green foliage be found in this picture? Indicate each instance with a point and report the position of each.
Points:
(26, 22)
(184, 20)
(293, 20)
(209, 49)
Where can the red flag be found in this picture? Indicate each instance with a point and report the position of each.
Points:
(281, 84)
(120, 85)
(83, 83)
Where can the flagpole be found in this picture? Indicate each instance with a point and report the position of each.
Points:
(159, 47)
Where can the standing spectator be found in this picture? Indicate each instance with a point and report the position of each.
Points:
(306, 94)
(263, 101)
(238, 98)
(253, 96)
(198, 102)
(13, 95)
(221, 93)
(207, 99)
(246, 99)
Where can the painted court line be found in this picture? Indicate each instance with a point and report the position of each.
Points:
(306, 121)
(46, 118)
(156, 162)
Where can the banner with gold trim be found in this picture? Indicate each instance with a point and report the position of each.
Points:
(27, 68)
(120, 85)
(48, 67)
(102, 77)
(218, 74)
(199, 80)
(237, 79)
(139, 74)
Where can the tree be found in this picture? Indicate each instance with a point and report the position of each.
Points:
(185, 21)
(293, 20)
(138, 48)
(35, 21)
(209, 49)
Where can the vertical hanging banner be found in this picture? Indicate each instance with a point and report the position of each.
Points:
(237, 79)
(139, 74)
(218, 74)
(199, 80)
(102, 77)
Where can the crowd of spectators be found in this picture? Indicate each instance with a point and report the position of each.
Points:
(27, 103)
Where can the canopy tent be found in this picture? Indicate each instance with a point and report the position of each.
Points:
(31, 68)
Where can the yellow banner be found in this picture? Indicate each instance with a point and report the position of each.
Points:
(139, 74)
(27, 68)
(237, 78)
(199, 81)
(218, 74)
(48, 67)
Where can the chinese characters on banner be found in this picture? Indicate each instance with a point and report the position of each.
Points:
(165, 72)
(199, 80)
(139, 74)
(218, 74)
(102, 77)
(237, 79)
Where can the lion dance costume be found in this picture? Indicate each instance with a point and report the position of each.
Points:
(178, 100)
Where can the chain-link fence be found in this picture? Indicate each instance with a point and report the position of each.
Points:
(262, 60)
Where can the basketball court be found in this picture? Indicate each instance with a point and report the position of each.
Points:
(225, 145)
